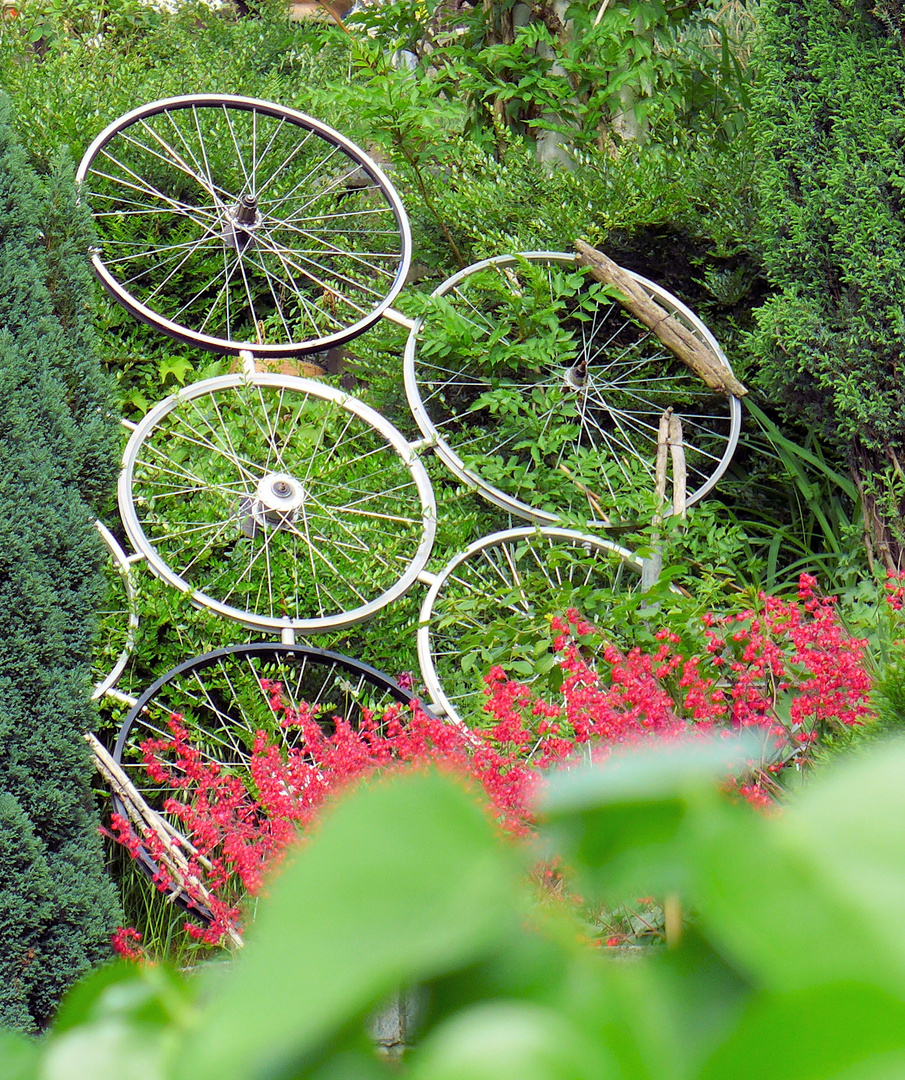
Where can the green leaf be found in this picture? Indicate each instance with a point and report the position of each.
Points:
(788, 451)
(18, 1057)
(834, 867)
(146, 994)
(835, 1027)
(177, 366)
(405, 880)
(654, 775)
(110, 1048)
(622, 821)
(671, 1009)
(511, 1040)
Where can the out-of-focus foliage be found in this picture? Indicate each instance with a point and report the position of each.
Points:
(406, 884)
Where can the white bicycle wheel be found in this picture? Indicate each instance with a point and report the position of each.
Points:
(492, 604)
(541, 391)
(118, 617)
(231, 223)
(277, 501)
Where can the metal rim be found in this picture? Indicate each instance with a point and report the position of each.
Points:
(220, 698)
(428, 383)
(304, 234)
(123, 569)
(487, 576)
(277, 501)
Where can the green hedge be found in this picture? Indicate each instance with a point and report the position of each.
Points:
(830, 122)
(57, 459)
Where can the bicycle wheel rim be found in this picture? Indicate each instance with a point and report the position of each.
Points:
(489, 420)
(121, 615)
(222, 705)
(314, 259)
(200, 498)
(497, 596)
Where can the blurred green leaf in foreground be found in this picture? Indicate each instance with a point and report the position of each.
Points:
(789, 963)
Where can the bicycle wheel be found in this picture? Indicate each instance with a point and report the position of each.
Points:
(541, 391)
(225, 698)
(118, 617)
(277, 501)
(231, 223)
(492, 603)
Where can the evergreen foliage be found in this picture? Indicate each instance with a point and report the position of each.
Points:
(57, 457)
(830, 118)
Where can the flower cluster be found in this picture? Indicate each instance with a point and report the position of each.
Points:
(126, 942)
(787, 670)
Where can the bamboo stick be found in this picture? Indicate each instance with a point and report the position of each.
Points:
(592, 497)
(147, 820)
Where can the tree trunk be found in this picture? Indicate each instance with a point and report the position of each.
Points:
(880, 480)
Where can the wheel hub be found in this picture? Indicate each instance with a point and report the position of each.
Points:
(277, 501)
(241, 222)
(576, 378)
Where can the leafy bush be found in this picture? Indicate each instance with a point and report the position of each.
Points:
(585, 75)
(828, 116)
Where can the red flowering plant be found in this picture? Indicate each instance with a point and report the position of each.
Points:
(786, 669)
(895, 590)
(233, 828)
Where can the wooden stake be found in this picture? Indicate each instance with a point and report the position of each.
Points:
(672, 919)
(148, 821)
(601, 10)
(680, 341)
(679, 470)
(662, 457)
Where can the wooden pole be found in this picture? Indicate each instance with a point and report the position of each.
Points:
(653, 564)
(679, 470)
(669, 447)
(148, 821)
(680, 341)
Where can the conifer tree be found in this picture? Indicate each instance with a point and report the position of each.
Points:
(57, 460)
(829, 115)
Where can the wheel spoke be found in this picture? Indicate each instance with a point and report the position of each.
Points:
(171, 157)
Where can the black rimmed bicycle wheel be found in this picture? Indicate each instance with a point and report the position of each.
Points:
(224, 698)
(231, 223)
